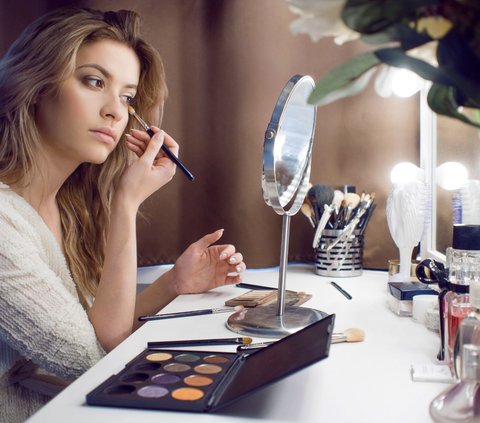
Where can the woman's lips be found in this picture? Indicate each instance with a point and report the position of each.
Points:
(104, 135)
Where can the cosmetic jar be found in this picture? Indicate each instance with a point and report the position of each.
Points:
(400, 299)
(420, 306)
(394, 268)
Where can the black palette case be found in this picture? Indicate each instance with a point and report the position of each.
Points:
(204, 381)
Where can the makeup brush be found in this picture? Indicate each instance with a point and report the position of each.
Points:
(306, 209)
(165, 149)
(348, 335)
(191, 313)
(322, 224)
(195, 342)
(319, 195)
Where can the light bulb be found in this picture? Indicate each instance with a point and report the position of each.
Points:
(405, 83)
(405, 172)
(451, 175)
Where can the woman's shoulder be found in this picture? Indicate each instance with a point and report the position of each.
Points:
(13, 206)
(20, 224)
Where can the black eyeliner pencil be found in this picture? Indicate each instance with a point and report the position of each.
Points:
(164, 148)
(341, 290)
(195, 342)
(252, 286)
(189, 313)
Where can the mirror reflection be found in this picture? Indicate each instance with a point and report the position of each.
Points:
(458, 143)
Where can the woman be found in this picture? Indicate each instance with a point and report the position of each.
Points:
(71, 185)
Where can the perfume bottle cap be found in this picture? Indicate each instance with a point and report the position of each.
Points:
(471, 362)
(466, 237)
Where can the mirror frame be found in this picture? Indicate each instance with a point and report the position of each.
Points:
(428, 162)
(269, 176)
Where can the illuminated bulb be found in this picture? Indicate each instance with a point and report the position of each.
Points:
(405, 83)
(451, 175)
(405, 172)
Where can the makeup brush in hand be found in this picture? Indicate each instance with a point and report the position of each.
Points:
(164, 148)
(348, 335)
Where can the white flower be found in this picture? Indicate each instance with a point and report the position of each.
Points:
(321, 18)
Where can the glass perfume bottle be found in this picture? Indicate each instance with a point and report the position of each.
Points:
(463, 264)
(461, 401)
(469, 330)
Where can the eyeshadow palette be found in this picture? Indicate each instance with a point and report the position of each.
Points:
(205, 381)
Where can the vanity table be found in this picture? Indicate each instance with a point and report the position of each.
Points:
(359, 382)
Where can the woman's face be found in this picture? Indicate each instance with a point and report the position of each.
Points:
(85, 121)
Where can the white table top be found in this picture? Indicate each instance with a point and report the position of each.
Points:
(359, 382)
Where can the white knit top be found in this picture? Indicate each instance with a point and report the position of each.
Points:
(41, 318)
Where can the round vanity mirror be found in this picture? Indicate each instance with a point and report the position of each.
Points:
(287, 148)
(287, 154)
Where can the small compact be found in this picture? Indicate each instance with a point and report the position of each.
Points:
(400, 300)
(206, 381)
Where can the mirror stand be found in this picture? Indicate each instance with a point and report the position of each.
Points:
(275, 320)
(286, 172)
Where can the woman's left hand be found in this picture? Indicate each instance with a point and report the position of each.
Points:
(204, 266)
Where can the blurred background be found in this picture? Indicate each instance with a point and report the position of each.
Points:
(226, 63)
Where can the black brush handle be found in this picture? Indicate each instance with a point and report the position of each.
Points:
(173, 158)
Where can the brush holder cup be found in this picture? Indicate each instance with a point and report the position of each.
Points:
(344, 258)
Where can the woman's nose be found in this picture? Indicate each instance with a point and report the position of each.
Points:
(113, 108)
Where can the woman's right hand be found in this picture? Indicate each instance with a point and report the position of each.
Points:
(152, 169)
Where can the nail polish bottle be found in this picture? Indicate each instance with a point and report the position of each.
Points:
(461, 401)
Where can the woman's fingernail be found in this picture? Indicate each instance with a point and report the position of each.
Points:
(223, 256)
(232, 260)
(239, 269)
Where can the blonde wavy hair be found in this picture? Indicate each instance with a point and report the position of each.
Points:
(37, 62)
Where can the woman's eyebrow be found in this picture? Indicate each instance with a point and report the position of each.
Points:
(105, 73)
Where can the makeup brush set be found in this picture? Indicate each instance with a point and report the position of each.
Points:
(339, 219)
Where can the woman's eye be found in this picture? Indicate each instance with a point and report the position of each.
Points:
(94, 82)
(128, 99)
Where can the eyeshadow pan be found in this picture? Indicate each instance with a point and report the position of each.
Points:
(135, 377)
(177, 367)
(152, 391)
(216, 359)
(148, 366)
(187, 358)
(187, 394)
(208, 369)
(120, 389)
(197, 380)
(165, 379)
(161, 356)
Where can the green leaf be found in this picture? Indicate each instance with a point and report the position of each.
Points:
(442, 100)
(343, 76)
(398, 58)
(407, 37)
(372, 16)
(457, 59)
